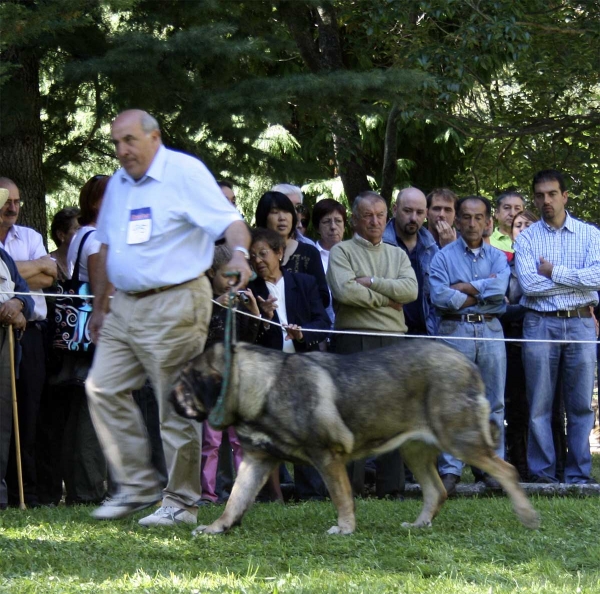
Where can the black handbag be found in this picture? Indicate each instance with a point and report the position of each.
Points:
(73, 311)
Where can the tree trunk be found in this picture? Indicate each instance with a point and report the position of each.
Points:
(321, 56)
(390, 155)
(22, 136)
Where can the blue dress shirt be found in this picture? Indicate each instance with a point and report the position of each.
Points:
(487, 271)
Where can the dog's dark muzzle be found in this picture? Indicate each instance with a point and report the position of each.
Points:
(185, 401)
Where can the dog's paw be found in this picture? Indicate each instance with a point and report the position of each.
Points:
(211, 529)
(530, 519)
(339, 530)
(416, 525)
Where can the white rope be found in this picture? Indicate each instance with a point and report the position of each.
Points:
(354, 332)
(396, 335)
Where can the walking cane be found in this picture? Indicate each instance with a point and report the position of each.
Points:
(13, 385)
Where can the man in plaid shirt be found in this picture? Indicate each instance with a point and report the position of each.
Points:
(558, 266)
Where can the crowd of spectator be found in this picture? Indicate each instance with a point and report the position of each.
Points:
(437, 267)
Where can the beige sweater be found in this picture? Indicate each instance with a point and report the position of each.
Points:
(356, 306)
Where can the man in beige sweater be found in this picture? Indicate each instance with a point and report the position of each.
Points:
(370, 281)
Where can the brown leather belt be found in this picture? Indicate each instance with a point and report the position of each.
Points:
(470, 318)
(581, 312)
(155, 291)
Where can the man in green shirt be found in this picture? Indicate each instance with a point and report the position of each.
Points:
(370, 281)
(508, 205)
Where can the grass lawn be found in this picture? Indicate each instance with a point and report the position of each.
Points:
(476, 545)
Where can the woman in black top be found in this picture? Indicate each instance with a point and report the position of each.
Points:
(276, 211)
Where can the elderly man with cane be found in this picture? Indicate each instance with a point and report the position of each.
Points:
(14, 311)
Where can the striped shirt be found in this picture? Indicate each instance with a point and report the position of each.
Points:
(574, 250)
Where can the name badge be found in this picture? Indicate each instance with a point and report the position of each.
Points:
(140, 225)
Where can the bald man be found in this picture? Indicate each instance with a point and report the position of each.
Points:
(406, 231)
(161, 215)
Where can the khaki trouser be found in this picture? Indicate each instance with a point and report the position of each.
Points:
(149, 337)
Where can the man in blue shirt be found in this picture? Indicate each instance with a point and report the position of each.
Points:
(406, 231)
(468, 283)
(558, 267)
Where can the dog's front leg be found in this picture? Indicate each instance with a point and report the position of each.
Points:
(335, 475)
(252, 475)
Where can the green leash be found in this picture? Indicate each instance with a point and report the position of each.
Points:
(216, 418)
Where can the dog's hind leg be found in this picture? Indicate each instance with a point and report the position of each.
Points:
(335, 475)
(252, 475)
(507, 476)
(421, 458)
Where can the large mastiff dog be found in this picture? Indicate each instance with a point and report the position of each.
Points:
(327, 409)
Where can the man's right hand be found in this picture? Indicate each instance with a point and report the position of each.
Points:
(395, 305)
(96, 323)
(446, 233)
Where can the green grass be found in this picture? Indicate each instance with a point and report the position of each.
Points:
(476, 545)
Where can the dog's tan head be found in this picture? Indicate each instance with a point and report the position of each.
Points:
(198, 384)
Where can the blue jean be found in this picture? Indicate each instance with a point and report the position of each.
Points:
(490, 358)
(576, 365)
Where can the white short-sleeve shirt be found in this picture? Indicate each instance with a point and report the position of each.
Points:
(183, 212)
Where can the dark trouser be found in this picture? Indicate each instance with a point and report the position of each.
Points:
(516, 411)
(389, 467)
(5, 411)
(67, 446)
(517, 416)
(146, 400)
(308, 483)
(32, 373)
(83, 463)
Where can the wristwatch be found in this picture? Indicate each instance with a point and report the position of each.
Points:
(241, 248)
(372, 281)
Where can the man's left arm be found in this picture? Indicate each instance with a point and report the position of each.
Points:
(493, 289)
(401, 289)
(40, 273)
(39, 270)
(586, 278)
(238, 236)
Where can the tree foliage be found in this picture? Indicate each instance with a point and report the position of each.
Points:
(474, 95)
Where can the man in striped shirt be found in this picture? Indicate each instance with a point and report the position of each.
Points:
(558, 266)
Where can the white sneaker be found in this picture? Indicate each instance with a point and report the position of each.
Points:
(119, 507)
(168, 516)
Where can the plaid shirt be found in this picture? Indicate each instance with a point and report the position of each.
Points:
(574, 250)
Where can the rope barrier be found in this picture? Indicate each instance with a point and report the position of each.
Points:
(363, 332)
(426, 336)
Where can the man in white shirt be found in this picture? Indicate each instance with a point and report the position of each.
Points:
(26, 248)
(161, 214)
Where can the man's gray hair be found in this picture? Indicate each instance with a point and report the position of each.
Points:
(149, 123)
(288, 189)
(368, 195)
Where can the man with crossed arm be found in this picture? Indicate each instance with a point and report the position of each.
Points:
(558, 266)
(468, 282)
